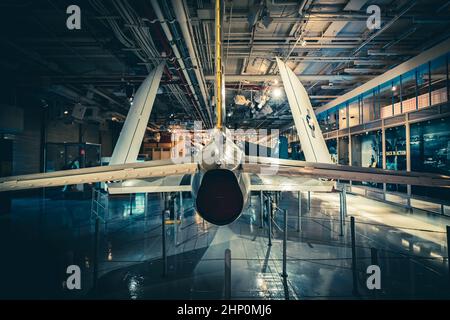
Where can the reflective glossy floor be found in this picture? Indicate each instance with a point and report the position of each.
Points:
(40, 238)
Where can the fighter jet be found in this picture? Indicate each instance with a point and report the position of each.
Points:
(222, 178)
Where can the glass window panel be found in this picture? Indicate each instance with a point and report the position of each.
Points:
(430, 152)
(332, 149)
(368, 107)
(439, 81)
(343, 117)
(353, 113)
(396, 97)
(92, 155)
(367, 152)
(385, 100)
(55, 157)
(396, 153)
(409, 91)
(423, 86)
(343, 151)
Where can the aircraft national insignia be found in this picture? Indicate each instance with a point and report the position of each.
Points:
(310, 124)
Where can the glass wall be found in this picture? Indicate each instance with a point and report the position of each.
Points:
(396, 90)
(332, 149)
(367, 152)
(396, 153)
(430, 152)
(430, 145)
(385, 100)
(369, 107)
(343, 151)
(329, 121)
(343, 116)
(409, 90)
(353, 112)
(423, 87)
(438, 81)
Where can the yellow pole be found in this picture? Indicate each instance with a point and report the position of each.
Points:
(219, 83)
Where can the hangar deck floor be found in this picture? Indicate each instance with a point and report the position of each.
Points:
(39, 239)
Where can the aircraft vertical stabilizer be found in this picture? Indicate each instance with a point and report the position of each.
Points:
(308, 129)
(132, 134)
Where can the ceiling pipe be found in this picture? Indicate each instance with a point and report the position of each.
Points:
(176, 52)
(385, 27)
(303, 77)
(179, 8)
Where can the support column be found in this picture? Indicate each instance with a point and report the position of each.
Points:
(261, 211)
(284, 274)
(354, 271)
(181, 214)
(227, 282)
(344, 202)
(165, 212)
(145, 204)
(309, 201)
(96, 250)
(350, 150)
(408, 158)
(383, 153)
(131, 204)
(341, 214)
(299, 215)
(270, 213)
(448, 252)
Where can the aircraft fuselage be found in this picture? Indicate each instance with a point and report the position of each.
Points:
(219, 189)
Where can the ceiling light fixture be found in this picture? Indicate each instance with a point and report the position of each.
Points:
(277, 92)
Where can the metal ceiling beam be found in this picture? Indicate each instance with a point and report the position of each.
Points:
(362, 70)
(303, 77)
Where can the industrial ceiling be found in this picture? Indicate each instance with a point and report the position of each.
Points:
(326, 43)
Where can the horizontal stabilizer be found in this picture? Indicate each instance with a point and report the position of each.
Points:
(141, 170)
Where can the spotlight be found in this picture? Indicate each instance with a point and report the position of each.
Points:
(394, 88)
(277, 92)
(66, 112)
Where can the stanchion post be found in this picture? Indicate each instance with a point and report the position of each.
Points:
(163, 230)
(284, 274)
(227, 282)
(261, 211)
(354, 271)
(299, 216)
(96, 250)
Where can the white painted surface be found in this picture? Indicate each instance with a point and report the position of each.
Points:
(130, 139)
(308, 129)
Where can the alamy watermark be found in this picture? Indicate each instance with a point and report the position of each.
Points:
(73, 281)
(73, 21)
(374, 20)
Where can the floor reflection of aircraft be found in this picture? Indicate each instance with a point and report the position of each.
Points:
(221, 181)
